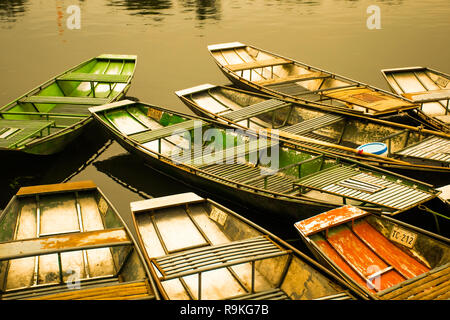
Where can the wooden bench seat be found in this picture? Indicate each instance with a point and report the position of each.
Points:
(63, 243)
(121, 291)
(294, 78)
(428, 96)
(258, 64)
(93, 77)
(64, 100)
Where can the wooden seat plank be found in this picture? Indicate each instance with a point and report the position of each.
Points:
(57, 187)
(120, 291)
(64, 100)
(94, 77)
(258, 64)
(63, 243)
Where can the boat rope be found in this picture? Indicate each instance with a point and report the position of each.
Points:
(91, 160)
(424, 208)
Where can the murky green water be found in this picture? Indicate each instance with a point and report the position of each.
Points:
(170, 39)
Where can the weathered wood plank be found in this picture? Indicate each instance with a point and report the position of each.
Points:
(58, 187)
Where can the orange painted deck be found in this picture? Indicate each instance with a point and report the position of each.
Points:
(329, 219)
(367, 257)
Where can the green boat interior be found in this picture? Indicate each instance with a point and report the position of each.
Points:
(387, 258)
(200, 250)
(67, 242)
(258, 164)
(292, 78)
(257, 112)
(64, 101)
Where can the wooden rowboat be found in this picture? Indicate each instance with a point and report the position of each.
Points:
(67, 242)
(229, 163)
(200, 250)
(419, 150)
(256, 69)
(44, 120)
(424, 86)
(385, 257)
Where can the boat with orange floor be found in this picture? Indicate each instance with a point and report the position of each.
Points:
(388, 259)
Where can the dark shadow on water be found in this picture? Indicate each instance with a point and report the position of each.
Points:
(130, 172)
(26, 170)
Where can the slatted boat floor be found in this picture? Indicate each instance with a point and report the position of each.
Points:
(348, 182)
(212, 257)
(228, 154)
(434, 148)
(313, 124)
(255, 109)
(16, 131)
(290, 88)
(432, 285)
(253, 176)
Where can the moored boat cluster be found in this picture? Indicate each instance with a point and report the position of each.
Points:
(344, 159)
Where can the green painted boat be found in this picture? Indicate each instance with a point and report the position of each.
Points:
(256, 69)
(409, 149)
(255, 169)
(45, 119)
(198, 249)
(67, 242)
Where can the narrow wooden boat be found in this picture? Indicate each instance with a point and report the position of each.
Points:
(424, 86)
(67, 242)
(199, 250)
(383, 256)
(45, 119)
(256, 69)
(255, 170)
(419, 150)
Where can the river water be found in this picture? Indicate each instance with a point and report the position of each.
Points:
(170, 39)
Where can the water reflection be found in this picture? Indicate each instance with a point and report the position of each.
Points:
(204, 9)
(11, 9)
(143, 7)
